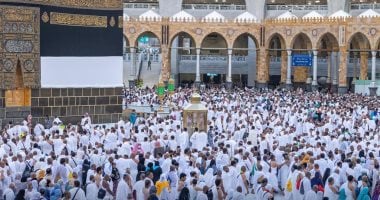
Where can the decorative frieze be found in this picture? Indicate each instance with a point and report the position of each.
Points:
(78, 20)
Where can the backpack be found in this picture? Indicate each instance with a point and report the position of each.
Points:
(302, 189)
(85, 167)
(209, 194)
(26, 173)
(357, 191)
(342, 194)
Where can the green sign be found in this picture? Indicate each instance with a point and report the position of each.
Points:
(144, 39)
(171, 87)
(161, 91)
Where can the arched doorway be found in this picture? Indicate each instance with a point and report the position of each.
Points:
(244, 60)
(301, 46)
(147, 63)
(277, 60)
(328, 53)
(359, 53)
(213, 60)
(19, 96)
(183, 58)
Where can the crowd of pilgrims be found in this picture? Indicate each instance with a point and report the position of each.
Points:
(259, 144)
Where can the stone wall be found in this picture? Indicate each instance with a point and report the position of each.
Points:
(2, 102)
(103, 104)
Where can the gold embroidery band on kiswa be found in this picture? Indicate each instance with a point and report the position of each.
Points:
(83, 4)
(78, 20)
(18, 15)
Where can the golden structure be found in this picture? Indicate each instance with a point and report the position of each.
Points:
(78, 20)
(335, 33)
(84, 4)
(195, 115)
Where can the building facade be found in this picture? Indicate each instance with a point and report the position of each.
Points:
(60, 58)
(252, 43)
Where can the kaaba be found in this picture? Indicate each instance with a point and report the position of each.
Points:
(61, 58)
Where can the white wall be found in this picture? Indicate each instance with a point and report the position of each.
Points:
(75, 72)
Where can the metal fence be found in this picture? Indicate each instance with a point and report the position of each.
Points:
(365, 6)
(297, 7)
(212, 7)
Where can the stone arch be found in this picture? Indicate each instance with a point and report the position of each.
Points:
(301, 36)
(146, 32)
(243, 34)
(19, 75)
(330, 38)
(359, 46)
(182, 32)
(215, 45)
(244, 47)
(276, 45)
(126, 44)
(361, 41)
(280, 36)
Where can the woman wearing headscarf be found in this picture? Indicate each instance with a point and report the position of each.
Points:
(364, 190)
(317, 180)
(162, 187)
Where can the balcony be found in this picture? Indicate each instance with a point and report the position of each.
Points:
(212, 7)
(362, 6)
(212, 58)
(297, 7)
(145, 6)
(154, 58)
(275, 10)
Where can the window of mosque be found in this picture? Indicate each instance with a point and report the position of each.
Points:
(364, 1)
(296, 2)
(228, 2)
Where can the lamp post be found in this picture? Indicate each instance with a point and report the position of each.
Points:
(161, 93)
(171, 86)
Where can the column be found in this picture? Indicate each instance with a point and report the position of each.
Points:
(328, 59)
(335, 67)
(373, 87)
(197, 71)
(314, 83)
(363, 65)
(228, 78)
(132, 69)
(342, 88)
(289, 69)
(284, 66)
(262, 76)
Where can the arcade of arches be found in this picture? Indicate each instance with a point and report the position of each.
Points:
(347, 47)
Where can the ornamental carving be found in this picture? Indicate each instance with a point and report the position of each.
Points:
(18, 46)
(92, 4)
(28, 65)
(20, 41)
(120, 21)
(199, 31)
(8, 65)
(78, 20)
(112, 21)
(372, 31)
(45, 17)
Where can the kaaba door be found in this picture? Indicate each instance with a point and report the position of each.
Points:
(20, 96)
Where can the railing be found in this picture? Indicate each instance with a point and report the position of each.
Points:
(278, 60)
(364, 6)
(212, 58)
(140, 66)
(141, 5)
(153, 57)
(212, 7)
(297, 7)
(148, 109)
